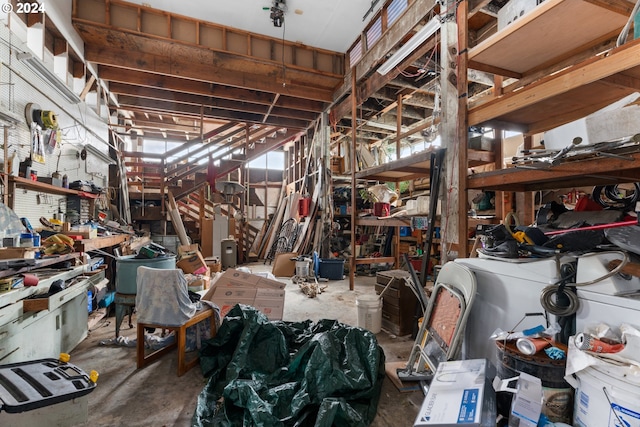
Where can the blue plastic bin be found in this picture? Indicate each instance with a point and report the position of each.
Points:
(332, 269)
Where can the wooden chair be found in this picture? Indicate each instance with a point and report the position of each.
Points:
(162, 302)
(180, 342)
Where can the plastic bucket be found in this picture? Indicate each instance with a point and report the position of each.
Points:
(381, 209)
(302, 268)
(592, 408)
(557, 401)
(369, 312)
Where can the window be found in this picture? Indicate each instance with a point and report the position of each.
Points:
(273, 160)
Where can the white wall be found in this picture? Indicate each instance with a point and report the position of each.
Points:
(79, 123)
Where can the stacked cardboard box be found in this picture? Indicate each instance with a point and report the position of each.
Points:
(237, 287)
(190, 259)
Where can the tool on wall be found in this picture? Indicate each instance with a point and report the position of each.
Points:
(38, 121)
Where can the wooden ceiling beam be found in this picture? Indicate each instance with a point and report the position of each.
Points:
(196, 87)
(168, 107)
(213, 67)
(187, 98)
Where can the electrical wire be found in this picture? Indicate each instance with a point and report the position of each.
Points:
(547, 295)
(622, 38)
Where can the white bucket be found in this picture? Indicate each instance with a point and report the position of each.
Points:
(592, 408)
(370, 312)
(302, 268)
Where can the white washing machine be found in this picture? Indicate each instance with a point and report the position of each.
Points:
(613, 301)
(507, 290)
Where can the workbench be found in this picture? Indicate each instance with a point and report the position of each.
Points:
(59, 323)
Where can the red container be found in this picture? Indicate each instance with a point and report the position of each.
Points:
(381, 209)
(304, 205)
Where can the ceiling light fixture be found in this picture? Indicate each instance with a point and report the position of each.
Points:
(277, 13)
(416, 40)
(48, 76)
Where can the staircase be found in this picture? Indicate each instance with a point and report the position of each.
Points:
(187, 170)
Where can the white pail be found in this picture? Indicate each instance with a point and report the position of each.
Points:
(369, 312)
(302, 268)
(592, 408)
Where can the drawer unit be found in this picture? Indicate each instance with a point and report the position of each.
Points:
(398, 302)
(59, 324)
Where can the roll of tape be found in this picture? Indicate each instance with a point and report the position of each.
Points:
(31, 280)
(49, 119)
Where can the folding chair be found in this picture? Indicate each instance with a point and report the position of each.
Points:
(440, 335)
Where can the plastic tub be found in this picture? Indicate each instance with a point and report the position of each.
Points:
(332, 269)
(369, 312)
(127, 270)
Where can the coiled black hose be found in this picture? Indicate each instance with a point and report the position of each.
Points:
(613, 195)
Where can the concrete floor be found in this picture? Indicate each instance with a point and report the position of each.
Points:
(155, 396)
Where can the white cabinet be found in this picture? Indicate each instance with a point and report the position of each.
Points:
(46, 333)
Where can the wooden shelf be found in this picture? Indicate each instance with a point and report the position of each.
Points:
(571, 173)
(399, 221)
(570, 94)
(29, 184)
(551, 32)
(408, 168)
(39, 263)
(87, 245)
(416, 166)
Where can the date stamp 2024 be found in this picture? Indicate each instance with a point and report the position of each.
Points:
(23, 7)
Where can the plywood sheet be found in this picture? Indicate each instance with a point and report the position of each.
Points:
(550, 31)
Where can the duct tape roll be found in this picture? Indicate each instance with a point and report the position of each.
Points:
(30, 280)
(530, 346)
(49, 119)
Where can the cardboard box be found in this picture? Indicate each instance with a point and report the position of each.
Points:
(283, 266)
(236, 287)
(459, 395)
(18, 252)
(193, 263)
(188, 249)
(233, 277)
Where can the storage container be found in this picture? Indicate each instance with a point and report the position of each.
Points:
(332, 269)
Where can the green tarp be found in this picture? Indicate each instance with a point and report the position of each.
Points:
(264, 373)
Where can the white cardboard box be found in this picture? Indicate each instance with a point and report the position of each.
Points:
(456, 396)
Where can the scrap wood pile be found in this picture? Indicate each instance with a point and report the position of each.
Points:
(288, 231)
(288, 373)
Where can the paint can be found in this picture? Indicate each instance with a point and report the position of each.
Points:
(599, 385)
(557, 403)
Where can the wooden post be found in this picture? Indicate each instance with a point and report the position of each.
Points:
(525, 209)
(354, 125)
(454, 132)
